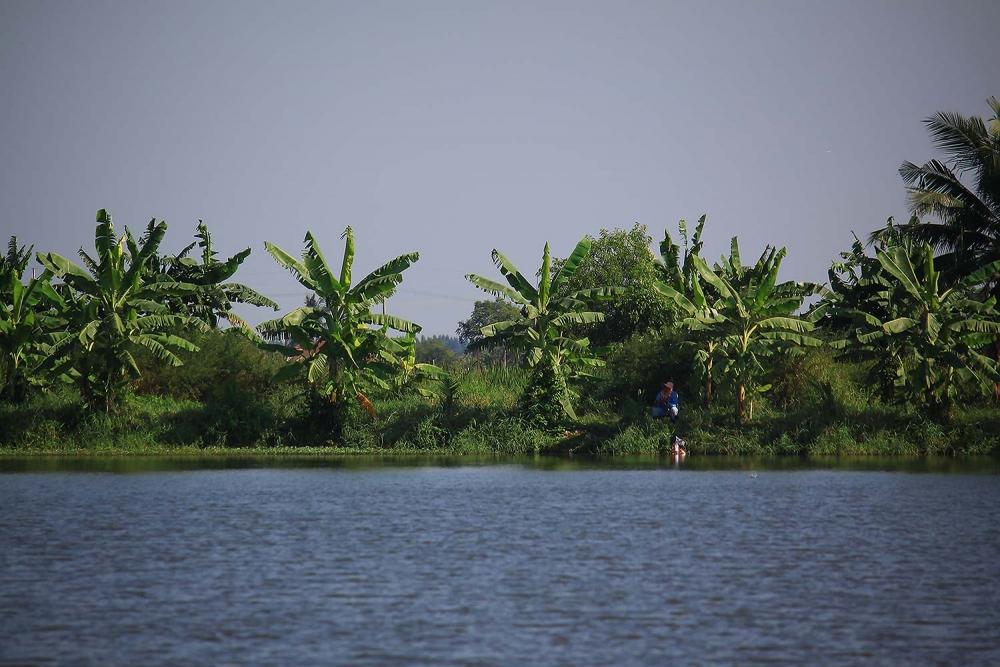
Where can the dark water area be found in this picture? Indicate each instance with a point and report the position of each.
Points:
(463, 562)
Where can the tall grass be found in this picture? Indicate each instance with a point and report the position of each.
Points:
(819, 408)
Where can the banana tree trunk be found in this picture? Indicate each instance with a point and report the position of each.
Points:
(996, 357)
(708, 382)
(741, 397)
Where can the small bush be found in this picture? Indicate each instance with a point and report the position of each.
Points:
(638, 367)
(643, 438)
(501, 436)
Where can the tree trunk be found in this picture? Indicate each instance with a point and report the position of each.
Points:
(741, 397)
(996, 357)
(708, 383)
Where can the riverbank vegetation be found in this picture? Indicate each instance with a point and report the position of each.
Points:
(133, 350)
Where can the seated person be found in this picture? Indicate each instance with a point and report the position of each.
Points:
(667, 403)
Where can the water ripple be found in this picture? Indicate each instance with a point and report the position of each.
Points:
(498, 566)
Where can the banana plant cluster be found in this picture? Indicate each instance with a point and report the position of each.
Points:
(28, 311)
(343, 348)
(213, 298)
(547, 317)
(113, 308)
(681, 282)
(748, 315)
(929, 336)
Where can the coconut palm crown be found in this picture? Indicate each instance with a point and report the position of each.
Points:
(962, 191)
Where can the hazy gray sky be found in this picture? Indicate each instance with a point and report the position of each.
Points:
(455, 127)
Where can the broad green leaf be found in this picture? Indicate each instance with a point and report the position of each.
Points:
(577, 318)
(495, 288)
(319, 270)
(297, 268)
(514, 277)
(318, 369)
(572, 263)
(392, 322)
(393, 267)
(788, 323)
(545, 280)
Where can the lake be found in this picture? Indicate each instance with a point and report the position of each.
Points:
(464, 562)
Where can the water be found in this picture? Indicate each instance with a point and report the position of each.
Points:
(553, 564)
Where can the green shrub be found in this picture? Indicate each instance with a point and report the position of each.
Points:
(647, 437)
(227, 362)
(501, 436)
(834, 441)
(813, 377)
(638, 367)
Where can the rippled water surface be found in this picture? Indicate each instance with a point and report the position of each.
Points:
(496, 565)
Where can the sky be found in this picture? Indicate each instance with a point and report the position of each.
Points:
(452, 128)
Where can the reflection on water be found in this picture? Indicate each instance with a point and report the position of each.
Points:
(460, 562)
(236, 461)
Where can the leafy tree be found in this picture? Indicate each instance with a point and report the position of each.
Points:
(752, 320)
(25, 318)
(434, 351)
(344, 348)
(483, 314)
(113, 309)
(968, 215)
(927, 335)
(621, 257)
(214, 298)
(543, 324)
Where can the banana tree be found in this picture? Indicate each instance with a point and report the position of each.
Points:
(545, 319)
(213, 297)
(343, 348)
(26, 317)
(752, 319)
(928, 336)
(680, 281)
(112, 309)
(413, 375)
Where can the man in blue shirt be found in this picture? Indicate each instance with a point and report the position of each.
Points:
(667, 403)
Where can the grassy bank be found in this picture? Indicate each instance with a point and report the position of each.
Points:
(480, 420)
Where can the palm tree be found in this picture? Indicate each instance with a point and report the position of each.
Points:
(968, 215)
(968, 225)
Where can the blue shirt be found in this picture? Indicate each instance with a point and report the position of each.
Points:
(675, 400)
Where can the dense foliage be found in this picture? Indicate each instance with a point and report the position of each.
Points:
(928, 337)
(544, 326)
(900, 338)
(621, 257)
(113, 309)
(342, 348)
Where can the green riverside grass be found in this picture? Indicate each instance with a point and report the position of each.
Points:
(482, 422)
